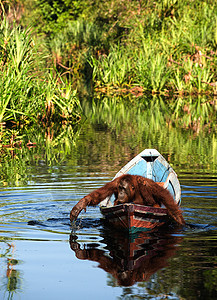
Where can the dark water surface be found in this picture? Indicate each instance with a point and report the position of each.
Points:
(42, 257)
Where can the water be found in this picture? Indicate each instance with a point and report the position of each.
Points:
(42, 257)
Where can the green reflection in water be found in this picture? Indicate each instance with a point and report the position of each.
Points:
(138, 124)
(114, 131)
(50, 148)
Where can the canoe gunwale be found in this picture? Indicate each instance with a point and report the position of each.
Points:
(132, 208)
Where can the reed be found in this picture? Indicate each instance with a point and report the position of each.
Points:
(170, 48)
(166, 46)
(113, 69)
(24, 97)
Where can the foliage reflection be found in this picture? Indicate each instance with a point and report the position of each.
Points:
(113, 131)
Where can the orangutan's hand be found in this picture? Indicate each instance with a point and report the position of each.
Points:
(77, 209)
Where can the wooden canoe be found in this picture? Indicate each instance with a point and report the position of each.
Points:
(133, 217)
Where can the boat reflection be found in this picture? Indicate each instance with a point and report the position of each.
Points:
(129, 258)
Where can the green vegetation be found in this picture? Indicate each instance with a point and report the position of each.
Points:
(52, 52)
(164, 47)
(170, 48)
(30, 93)
(89, 84)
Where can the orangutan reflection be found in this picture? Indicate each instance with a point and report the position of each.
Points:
(129, 259)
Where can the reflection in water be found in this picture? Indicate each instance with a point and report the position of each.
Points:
(71, 162)
(129, 258)
(113, 135)
(11, 277)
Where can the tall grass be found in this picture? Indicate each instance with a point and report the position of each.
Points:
(113, 69)
(162, 46)
(168, 48)
(171, 47)
(70, 49)
(24, 97)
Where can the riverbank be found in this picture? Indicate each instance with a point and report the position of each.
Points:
(132, 48)
(161, 47)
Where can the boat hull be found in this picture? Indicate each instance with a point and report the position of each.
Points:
(134, 217)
